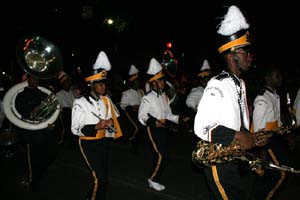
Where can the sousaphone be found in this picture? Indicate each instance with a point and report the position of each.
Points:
(42, 59)
(169, 64)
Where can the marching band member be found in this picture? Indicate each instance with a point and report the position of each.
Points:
(65, 97)
(40, 144)
(222, 114)
(94, 120)
(130, 103)
(196, 93)
(155, 112)
(267, 116)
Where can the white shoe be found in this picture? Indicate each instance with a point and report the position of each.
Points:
(156, 186)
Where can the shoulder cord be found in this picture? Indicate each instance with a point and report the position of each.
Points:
(240, 101)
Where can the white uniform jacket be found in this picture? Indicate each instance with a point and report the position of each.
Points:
(194, 97)
(131, 97)
(65, 98)
(157, 106)
(218, 115)
(266, 109)
(85, 113)
(296, 107)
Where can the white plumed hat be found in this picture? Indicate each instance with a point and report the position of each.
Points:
(102, 62)
(233, 30)
(133, 73)
(100, 68)
(205, 69)
(155, 70)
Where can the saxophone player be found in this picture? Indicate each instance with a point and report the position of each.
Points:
(222, 115)
(94, 120)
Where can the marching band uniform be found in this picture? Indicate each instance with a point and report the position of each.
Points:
(65, 97)
(196, 93)
(130, 102)
(267, 115)
(222, 115)
(154, 112)
(89, 112)
(40, 144)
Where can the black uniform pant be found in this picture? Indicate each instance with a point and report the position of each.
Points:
(96, 153)
(136, 129)
(225, 182)
(158, 138)
(41, 149)
(272, 181)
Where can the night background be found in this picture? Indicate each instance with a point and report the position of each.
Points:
(142, 29)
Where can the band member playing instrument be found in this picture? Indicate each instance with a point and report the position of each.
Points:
(222, 114)
(155, 112)
(267, 116)
(130, 103)
(94, 120)
(40, 144)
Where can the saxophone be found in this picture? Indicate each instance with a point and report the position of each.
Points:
(207, 154)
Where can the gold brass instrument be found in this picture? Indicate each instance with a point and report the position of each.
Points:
(42, 59)
(207, 154)
(45, 109)
(39, 57)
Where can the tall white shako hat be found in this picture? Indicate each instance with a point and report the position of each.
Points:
(205, 69)
(233, 31)
(133, 73)
(155, 70)
(100, 68)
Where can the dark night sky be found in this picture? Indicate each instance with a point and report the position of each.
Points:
(189, 25)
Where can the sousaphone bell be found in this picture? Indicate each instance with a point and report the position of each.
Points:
(41, 59)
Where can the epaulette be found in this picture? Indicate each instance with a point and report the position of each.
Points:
(148, 92)
(222, 76)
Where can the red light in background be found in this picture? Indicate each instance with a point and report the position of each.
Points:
(169, 45)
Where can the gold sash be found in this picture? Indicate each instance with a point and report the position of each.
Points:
(101, 133)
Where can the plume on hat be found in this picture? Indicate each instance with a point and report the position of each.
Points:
(154, 67)
(233, 22)
(205, 65)
(205, 69)
(233, 31)
(155, 70)
(100, 68)
(102, 62)
(133, 70)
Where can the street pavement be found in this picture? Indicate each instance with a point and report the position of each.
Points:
(69, 178)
